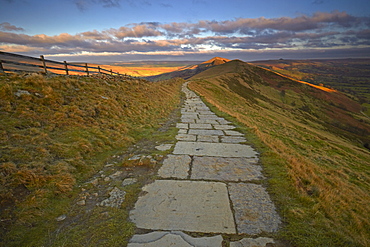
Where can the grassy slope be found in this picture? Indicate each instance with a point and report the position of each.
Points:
(61, 133)
(311, 150)
(347, 75)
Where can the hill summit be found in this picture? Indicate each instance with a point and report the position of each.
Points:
(191, 70)
(216, 61)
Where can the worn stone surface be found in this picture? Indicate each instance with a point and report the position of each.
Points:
(223, 127)
(186, 137)
(200, 126)
(182, 125)
(206, 121)
(233, 139)
(214, 149)
(252, 242)
(173, 238)
(175, 166)
(206, 132)
(226, 169)
(254, 211)
(194, 206)
(201, 138)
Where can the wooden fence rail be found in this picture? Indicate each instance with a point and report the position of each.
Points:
(10, 62)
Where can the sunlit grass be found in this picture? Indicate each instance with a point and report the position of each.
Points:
(61, 132)
(319, 179)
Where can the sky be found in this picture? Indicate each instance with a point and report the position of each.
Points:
(106, 31)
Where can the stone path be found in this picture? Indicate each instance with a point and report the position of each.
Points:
(209, 185)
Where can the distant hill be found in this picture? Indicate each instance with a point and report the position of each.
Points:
(189, 71)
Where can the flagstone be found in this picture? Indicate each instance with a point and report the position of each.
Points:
(194, 206)
(254, 211)
(202, 138)
(186, 137)
(206, 132)
(214, 149)
(200, 126)
(175, 166)
(233, 139)
(223, 127)
(226, 169)
(173, 238)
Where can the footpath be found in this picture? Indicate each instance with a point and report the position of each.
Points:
(209, 187)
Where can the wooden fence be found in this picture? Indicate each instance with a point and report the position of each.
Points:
(10, 62)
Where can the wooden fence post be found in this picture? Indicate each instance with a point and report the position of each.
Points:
(1, 67)
(66, 67)
(43, 63)
(87, 69)
(111, 71)
(99, 69)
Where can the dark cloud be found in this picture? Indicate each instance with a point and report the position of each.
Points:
(6, 26)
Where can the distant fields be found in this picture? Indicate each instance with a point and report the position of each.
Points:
(148, 68)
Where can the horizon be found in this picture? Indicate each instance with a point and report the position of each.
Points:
(164, 30)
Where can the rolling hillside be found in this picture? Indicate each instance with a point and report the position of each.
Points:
(346, 75)
(314, 146)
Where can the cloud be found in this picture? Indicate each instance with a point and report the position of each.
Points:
(6, 26)
(319, 31)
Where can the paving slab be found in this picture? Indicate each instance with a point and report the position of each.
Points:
(205, 112)
(252, 242)
(254, 211)
(214, 149)
(214, 117)
(182, 125)
(210, 121)
(175, 166)
(206, 132)
(201, 138)
(223, 121)
(174, 238)
(182, 131)
(223, 127)
(186, 137)
(188, 120)
(226, 169)
(194, 206)
(233, 139)
(201, 126)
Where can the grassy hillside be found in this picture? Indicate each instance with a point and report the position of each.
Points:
(55, 132)
(346, 75)
(312, 145)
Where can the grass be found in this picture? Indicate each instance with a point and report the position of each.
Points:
(61, 132)
(318, 172)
